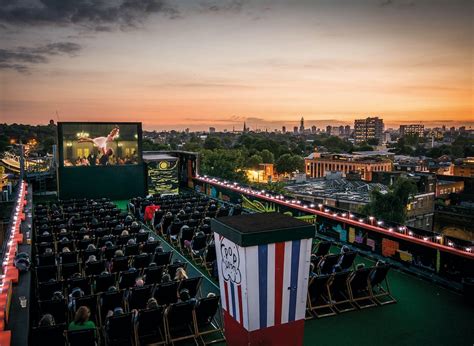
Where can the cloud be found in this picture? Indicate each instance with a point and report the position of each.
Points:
(221, 6)
(98, 15)
(397, 3)
(20, 59)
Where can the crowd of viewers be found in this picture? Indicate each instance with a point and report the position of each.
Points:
(185, 221)
(96, 265)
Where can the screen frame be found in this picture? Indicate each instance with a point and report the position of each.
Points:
(60, 141)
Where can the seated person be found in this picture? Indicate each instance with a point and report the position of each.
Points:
(46, 321)
(81, 320)
(180, 274)
(344, 249)
(152, 303)
(184, 296)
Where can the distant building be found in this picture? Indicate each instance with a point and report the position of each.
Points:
(410, 164)
(347, 130)
(212, 130)
(245, 129)
(283, 129)
(319, 165)
(369, 128)
(341, 131)
(302, 125)
(313, 129)
(411, 130)
(329, 130)
(446, 187)
(336, 192)
(420, 207)
(465, 169)
(295, 129)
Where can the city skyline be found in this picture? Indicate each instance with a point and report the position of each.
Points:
(268, 64)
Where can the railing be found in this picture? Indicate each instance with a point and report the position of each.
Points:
(427, 239)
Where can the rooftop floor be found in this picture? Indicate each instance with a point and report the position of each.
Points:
(425, 314)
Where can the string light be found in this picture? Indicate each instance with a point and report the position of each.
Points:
(278, 197)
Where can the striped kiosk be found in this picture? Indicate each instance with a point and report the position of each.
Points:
(263, 261)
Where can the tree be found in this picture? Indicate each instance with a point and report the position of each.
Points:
(223, 163)
(254, 161)
(336, 144)
(373, 141)
(267, 156)
(212, 143)
(4, 143)
(391, 206)
(288, 163)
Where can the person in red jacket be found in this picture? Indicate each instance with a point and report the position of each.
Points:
(150, 213)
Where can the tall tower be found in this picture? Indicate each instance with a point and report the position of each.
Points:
(302, 125)
(245, 127)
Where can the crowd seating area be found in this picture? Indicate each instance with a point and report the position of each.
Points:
(337, 285)
(185, 221)
(89, 253)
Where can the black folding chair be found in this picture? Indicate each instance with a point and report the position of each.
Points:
(141, 261)
(207, 324)
(86, 337)
(138, 297)
(322, 248)
(47, 289)
(47, 259)
(172, 268)
(360, 290)
(166, 293)
(153, 275)
(94, 268)
(150, 246)
(55, 307)
(192, 285)
(68, 257)
(108, 302)
(49, 335)
(127, 278)
(338, 289)
(131, 250)
(46, 273)
(319, 303)
(179, 321)
(68, 270)
(119, 264)
(347, 260)
(326, 265)
(83, 283)
(119, 330)
(209, 257)
(379, 285)
(91, 302)
(163, 258)
(150, 328)
(101, 283)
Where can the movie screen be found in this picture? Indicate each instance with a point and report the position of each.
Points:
(100, 144)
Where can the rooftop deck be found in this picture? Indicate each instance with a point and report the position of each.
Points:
(425, 314)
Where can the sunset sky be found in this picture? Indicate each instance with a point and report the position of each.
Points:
(197, 64)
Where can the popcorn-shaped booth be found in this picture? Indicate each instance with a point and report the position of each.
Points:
(263, 262)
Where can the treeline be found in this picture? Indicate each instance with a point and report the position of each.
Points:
(45, 135)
